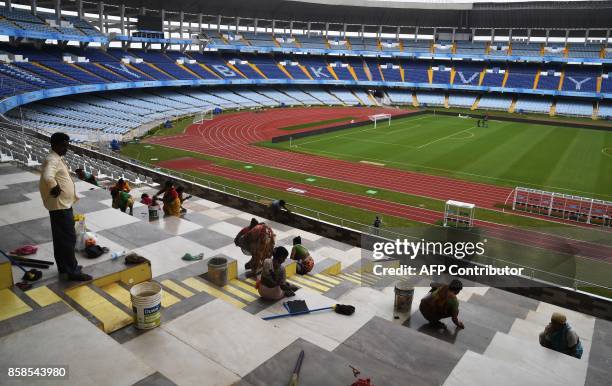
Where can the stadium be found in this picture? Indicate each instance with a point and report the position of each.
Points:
(201, 192)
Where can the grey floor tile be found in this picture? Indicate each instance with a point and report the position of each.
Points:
(200, 219)
(39, 230)
(135, 236)
(474, 337)
(209, 238)
(155, 379)
(321, 367)
(87, 204)
(334, 244)
(500, 305)
(97, 194)
(472, 313)
(427, 358)
(12, 238)
(9, 169)
(9, 196)
(24, 187)
(600, 357)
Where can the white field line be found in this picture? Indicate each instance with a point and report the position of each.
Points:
(445, 137)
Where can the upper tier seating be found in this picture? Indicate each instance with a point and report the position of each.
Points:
(312, 41)
(526, 49)
(498, 49)
(470, 48)
(584, 51)
(419, 46)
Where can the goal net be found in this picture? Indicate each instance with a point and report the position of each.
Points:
(380, 117)
(203, 116)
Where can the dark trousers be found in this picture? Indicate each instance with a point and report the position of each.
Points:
(64, 240)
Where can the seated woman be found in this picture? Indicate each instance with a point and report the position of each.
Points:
(305, 263)
(272, 284)
(441, 303)
(561, 337)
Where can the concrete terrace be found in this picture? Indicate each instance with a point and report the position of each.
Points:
(215, 335)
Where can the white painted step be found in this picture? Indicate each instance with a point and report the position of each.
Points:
(475, 369)
(564, 369)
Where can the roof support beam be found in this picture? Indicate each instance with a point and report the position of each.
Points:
(33, 6)
(58, 11)
(101, 16)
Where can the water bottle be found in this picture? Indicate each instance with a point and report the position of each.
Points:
(116, 255)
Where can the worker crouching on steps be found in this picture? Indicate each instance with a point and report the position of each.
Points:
(272, 283)
(441, 303)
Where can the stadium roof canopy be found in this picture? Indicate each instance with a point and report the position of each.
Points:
(434, 13)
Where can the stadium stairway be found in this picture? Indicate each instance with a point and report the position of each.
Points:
(216, 333)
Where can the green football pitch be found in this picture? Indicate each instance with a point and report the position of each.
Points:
(562, 159)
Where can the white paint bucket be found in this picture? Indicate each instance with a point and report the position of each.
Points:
(146, 304)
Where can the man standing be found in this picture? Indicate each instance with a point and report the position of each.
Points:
(58, 195)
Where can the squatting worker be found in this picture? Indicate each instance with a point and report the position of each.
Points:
(58, 196)
(442, 303)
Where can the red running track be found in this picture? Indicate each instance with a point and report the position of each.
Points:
(492, 230)
(231, 136)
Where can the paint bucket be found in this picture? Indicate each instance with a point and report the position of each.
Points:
(146, 304)
(403, 297)
(217, 271)
(153, 212)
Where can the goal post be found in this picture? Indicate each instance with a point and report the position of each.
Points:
(203, 116)
(380, 117)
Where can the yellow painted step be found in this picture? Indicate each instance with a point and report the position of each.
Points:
(118, 293)
(184, 292)
(367, 279)
(247, 287)
(327, 279)
(319, 280)
(11, 305)
(311, 283)
(304, 285)
(351, 279)
(168, 299)
(239, 293)
(200, 286)
(111, 317)
(43, 296)
(250, 281)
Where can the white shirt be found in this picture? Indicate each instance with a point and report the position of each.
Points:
(55, 172)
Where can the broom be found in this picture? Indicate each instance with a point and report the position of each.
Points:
(342, 309)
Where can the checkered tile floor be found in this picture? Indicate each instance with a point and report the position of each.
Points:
(214, 335)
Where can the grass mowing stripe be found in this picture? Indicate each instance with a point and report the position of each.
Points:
(317, 123)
